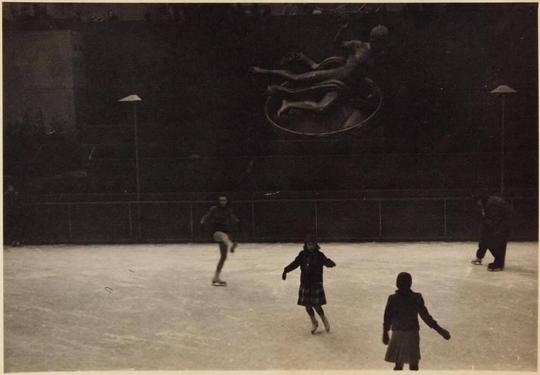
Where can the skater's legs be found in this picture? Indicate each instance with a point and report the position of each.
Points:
(320, 311)
(221, 262)
(319, 106)
(500, 255)
(314, 323)
(481, 253)
(324, 319)
(224, 238)
(413, 366)
(398, 366)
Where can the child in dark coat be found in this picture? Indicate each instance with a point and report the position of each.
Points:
(401, 314)
(311, 292)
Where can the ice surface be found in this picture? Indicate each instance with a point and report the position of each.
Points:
(151, 307)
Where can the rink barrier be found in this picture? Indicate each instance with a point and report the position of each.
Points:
(271, 220)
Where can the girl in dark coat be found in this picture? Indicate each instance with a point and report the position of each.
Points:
(401, 315)
(311, 292)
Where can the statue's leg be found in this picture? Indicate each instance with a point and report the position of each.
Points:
(315, 76)
(319, 106)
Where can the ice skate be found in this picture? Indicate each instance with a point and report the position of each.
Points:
(216, 281)
(219, 283)
(477, 261)
(326, 323)
(494, 268)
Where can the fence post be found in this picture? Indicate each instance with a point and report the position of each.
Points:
(70, 227)
(316, 220)
(191, 227)
(252, 218)
(444, 218)
(380, 219)
(130, 221)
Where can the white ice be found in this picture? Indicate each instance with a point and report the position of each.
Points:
(151, 307)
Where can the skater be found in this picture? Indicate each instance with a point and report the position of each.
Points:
(495, 232)
(401, 315)
(221, 219)
(311, 292)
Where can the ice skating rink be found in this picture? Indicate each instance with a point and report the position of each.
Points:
(151, 307)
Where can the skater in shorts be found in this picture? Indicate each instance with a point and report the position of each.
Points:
(495, 231)
(221, 221)
(401, 315)
(311, 292)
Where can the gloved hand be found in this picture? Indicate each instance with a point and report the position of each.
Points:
(385, 338)
(284, 275)
(444, 333)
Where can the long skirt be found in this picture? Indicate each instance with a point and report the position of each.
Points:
(404, 347)
(312, 295)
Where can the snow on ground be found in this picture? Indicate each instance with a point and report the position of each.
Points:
(151, 307)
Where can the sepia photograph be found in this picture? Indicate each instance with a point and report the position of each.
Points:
(270, 186)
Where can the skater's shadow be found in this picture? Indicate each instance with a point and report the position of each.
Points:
(521, 270)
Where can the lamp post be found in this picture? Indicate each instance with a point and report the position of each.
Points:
(502, 91)
(134, 99)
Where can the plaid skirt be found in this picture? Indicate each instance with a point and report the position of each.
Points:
(312, 295)
(404, 347)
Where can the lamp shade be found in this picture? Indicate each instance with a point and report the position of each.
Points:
(131, 98)
(503, 89)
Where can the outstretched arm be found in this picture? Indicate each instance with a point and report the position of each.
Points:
(299, 57)
(208, 214)
(338, 39)
(328, 262)
(428, 319)
(294, 264)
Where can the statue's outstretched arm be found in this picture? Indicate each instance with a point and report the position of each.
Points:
(299, 57)
(338, 39)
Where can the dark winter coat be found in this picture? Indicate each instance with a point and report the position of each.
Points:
(311, 264)
(402, 310)
(496, 223)
(220, 219)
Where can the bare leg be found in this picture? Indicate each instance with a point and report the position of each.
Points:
(222, 258)
(309, 77)
(314, 323)
(320, 106)
(224, 238)
(324, 319)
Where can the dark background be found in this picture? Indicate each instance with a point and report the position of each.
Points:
(203, 131)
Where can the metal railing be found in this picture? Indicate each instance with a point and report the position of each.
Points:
(379, 219)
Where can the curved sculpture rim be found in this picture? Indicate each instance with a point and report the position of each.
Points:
(360, 124)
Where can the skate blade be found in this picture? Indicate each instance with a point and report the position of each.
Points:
(219, 283)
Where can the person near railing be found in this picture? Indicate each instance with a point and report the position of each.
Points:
(496, 228)
(221, 220)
